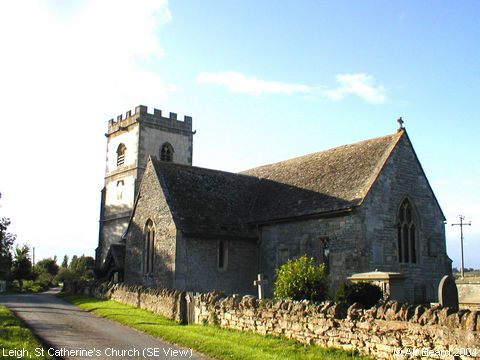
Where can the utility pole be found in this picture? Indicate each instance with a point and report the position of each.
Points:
(462, 224)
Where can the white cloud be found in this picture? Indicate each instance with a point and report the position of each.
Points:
(358, 84)
(67, 67)
(239, 83)
(92, 53)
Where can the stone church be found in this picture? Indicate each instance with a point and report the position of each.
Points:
(357, 208)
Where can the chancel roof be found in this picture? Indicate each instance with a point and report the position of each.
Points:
(321, 182)
(212, 202)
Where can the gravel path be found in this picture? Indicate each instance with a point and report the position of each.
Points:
(73, 333)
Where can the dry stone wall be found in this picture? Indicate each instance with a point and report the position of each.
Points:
(166, 302)
(389, 331)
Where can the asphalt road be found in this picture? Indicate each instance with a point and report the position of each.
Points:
(72, 333)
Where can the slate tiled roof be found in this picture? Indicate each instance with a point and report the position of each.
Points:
(208, 202)
(115, 259)
(205, 201)
(325, 181)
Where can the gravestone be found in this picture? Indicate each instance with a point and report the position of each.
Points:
(448, 293)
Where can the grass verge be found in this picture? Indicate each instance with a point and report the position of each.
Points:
(17, 340)
(210, 340)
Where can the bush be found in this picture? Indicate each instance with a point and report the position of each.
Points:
(301, 279)
(364, 293)
(33, 286)
(27, 286)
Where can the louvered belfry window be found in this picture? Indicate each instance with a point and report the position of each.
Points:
(121, 150)
(406, 234)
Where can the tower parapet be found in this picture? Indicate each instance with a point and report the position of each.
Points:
(131, 139)
(156, 119)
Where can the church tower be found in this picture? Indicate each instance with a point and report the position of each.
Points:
(131, 140)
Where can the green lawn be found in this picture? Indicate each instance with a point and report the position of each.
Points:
(210, 340)
(16, 340)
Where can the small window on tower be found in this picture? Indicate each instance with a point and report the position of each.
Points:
(121, 150)
(166, 152)
(120, 185)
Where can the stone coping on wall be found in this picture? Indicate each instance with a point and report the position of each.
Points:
(387, 331)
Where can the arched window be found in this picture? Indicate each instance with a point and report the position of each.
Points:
(121, 150)
(148, 247)
(406, 233)
(166, 152)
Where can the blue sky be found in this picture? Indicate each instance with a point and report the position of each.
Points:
(263, 80)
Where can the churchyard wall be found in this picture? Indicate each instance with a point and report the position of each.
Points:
(166, 302)
(388, 331)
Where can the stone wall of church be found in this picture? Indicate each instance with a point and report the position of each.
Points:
(151, 205)
(197, 265)
(402, 178)
(282, 241)
(112, 231)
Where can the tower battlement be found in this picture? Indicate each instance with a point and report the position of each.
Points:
(141, 114)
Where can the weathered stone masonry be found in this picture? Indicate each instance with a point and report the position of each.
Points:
(388, 331)
(381, 331)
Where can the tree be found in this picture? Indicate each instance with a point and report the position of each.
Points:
(73, 263)
(45, 271)
(301, 279)
(80, 268)
(6, 242)
(65, 262)
(48, 265)
(22, 265)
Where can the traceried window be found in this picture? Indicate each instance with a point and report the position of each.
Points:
(121, 151)
(222, 255)
(148, 247)
(407, 234)
(166, 152)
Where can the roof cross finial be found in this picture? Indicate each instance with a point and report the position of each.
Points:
(400, 123)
